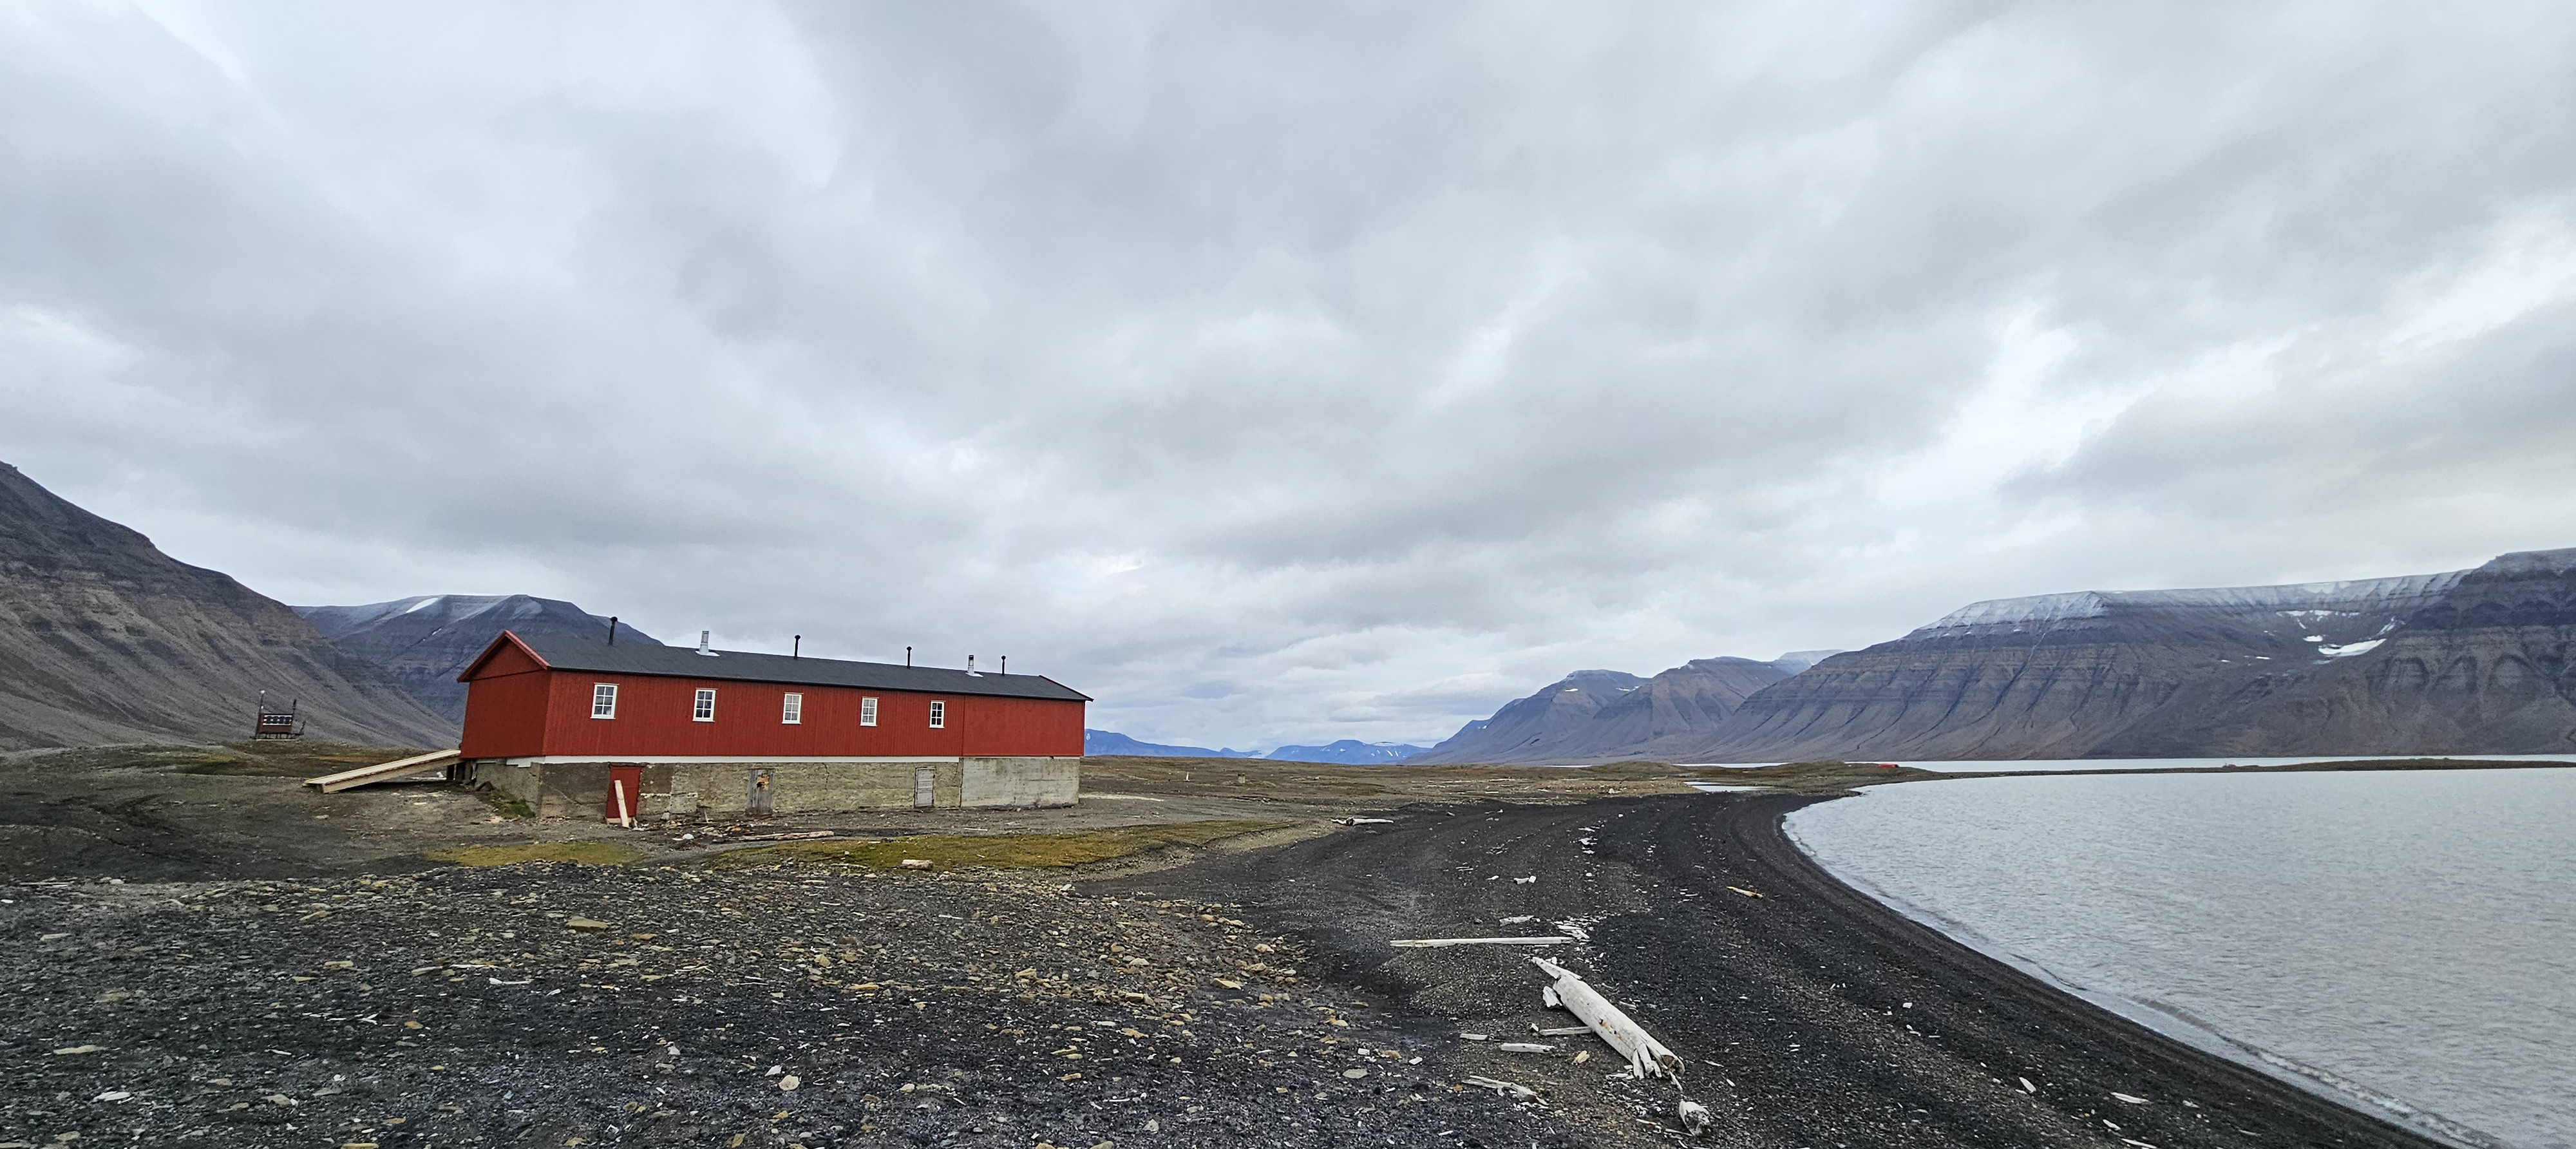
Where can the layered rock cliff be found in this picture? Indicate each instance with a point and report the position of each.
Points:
(2487, 667)
(2460, 662)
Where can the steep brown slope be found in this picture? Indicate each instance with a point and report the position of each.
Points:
(104, 639)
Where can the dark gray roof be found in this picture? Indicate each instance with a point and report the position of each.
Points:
(600, 656)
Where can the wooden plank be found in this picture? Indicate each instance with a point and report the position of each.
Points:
(381, 772)
(1436, 943)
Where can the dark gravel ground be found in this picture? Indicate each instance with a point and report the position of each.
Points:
(1813, 1016)
(1225, 1002)
(559, 1005)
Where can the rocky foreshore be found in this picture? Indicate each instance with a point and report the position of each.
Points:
(819, 1006)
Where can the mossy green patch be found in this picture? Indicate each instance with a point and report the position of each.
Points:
(578, 853)
(996, 851)
(516, 809)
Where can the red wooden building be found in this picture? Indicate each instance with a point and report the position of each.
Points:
(625, 730)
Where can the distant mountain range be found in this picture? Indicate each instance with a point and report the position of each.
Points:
(104, 639)
(1100, 742)
(2464, 662)
(1349, 751)
(1605, 714)
(423, 642)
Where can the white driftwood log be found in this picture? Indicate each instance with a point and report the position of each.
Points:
(1647, 1056)
(1436, 943)
(1506, 1088)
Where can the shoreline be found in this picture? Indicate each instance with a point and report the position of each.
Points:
(2205, 1038)
(1815, 1014)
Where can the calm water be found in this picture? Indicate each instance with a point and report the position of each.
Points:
(2396, 939)
(2062, 765)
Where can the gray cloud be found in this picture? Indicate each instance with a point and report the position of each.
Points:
(1295, 374)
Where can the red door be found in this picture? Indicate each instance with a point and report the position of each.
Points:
(625, 794)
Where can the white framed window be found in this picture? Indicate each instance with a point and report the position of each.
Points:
(706, 708)
(867, 712)
(603, 700)
(792, 711)
(938, 714)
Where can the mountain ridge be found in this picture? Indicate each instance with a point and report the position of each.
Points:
(424, 641)
(1347, 752)
(109, 640)
(2481, 660)
(1594, 715)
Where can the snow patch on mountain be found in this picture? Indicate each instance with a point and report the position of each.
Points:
(2313, 599)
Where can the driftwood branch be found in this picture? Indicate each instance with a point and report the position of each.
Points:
(1646, 1056)
(1438, 943)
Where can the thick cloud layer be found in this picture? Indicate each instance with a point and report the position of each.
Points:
(1285, 374)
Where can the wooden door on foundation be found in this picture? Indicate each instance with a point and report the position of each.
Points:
(625, 794)
(763, 799)
(924, 781)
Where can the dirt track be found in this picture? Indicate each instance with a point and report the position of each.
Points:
(1814, 1016)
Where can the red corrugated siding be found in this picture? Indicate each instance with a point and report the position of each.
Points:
(505, 708)
(653, 719)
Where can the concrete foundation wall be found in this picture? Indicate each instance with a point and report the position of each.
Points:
(1021, 782)
(502, 778)
(691, 790)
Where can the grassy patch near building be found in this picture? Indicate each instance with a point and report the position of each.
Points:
(578, 853)
(996, 851)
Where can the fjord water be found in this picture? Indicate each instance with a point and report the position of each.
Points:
(2403, 941)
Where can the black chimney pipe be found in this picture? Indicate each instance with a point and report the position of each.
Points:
(907, 656)
(798, 650)
(612, 630)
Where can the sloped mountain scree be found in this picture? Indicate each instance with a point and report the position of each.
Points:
(104, 639)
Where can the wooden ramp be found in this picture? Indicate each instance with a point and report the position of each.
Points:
(383, 772)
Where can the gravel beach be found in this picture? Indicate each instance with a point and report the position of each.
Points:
(1812, 1015)
(223, 959)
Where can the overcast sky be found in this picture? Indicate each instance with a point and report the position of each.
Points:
(1283, 373)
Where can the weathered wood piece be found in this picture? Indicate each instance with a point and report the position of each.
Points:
(1646, 1056)
(382, 771)
(1438, 943)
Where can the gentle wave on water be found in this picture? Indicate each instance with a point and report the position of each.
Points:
(2405, 941)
